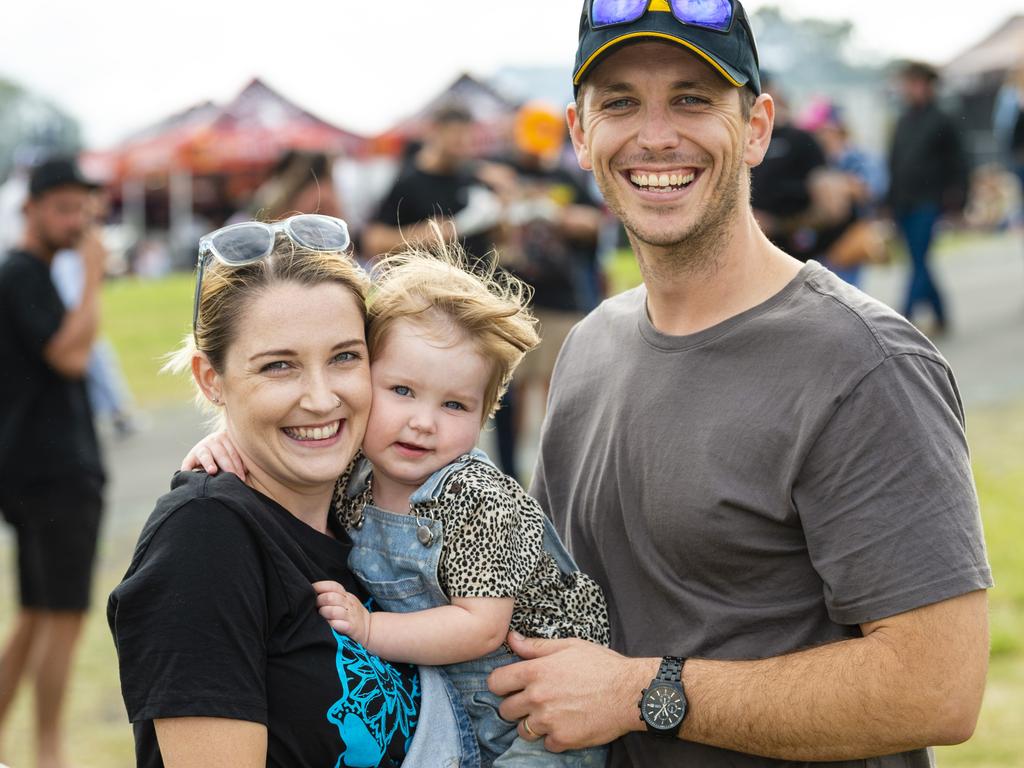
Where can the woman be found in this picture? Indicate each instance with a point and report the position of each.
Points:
(223, 657)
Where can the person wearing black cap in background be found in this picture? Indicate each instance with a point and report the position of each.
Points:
(51, 473)
(763, 468)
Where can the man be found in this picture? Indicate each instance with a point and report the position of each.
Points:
(437, 185)
(763, 468)
(51, 476)
(927, 177)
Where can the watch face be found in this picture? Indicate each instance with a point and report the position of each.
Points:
(663, 706)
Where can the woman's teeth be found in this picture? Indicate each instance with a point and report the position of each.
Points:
(661, 181)
(313, 433)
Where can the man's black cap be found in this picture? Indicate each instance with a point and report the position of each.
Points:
(733, 54)
(57, 172)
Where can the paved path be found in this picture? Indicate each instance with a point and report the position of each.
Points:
(984, 280)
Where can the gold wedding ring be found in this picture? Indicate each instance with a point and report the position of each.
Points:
(528, 729)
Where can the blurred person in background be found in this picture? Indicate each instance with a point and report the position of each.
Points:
(781, 191)
(1008, 126)
(851, 185)
(440, 182)
(300, 182)
(551, 223)
(51, 473)
(927, 179)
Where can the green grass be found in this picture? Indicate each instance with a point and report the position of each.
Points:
(145, 320)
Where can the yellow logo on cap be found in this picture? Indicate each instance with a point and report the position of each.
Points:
(659, 5)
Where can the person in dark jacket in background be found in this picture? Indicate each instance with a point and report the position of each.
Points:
(928, 176)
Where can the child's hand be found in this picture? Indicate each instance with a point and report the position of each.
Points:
(213, 453)
(343, 611)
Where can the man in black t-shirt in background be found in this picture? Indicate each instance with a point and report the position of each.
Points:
(781, 187)
(438, 184)
(51, 475)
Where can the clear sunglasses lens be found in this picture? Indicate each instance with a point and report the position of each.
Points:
(319, 233)
(240, 245)
(605, 12)
(713, 14)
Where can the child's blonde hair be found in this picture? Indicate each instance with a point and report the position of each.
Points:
(486, 303)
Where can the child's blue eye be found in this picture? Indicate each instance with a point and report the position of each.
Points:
(454, 405)
(401, 391)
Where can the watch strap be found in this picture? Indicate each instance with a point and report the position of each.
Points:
(671, 669)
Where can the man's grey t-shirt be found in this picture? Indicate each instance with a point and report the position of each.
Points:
(762, 486)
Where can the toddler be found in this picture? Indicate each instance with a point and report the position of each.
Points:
(454, 552)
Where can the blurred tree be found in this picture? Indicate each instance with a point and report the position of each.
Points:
(30, 124)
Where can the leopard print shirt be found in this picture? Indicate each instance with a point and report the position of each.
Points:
(493, 547)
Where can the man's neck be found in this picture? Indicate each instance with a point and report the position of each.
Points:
(32, 244)
(747, 271)
(431, 160)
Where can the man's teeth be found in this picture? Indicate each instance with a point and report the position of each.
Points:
(313, 433)
(661, 180)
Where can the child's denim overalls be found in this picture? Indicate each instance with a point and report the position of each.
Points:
(396, 557)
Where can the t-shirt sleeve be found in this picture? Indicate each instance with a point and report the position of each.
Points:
(190, 621)
(492, 544)
(886, 496)
(35, 308)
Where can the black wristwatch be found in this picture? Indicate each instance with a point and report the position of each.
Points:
(663, 702)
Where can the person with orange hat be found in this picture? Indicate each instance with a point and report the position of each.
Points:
(551, 226)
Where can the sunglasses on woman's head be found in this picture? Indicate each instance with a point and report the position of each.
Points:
(710, 14)
(252, 241)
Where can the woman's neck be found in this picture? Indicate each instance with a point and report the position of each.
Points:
(310, 505)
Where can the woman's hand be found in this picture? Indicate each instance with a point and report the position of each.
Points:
(343, 611)
(214, 453)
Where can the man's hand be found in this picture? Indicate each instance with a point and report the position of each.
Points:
(576, 694)
(94, 255)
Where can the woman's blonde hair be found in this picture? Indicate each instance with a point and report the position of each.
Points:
(425, 281)
(228, 290)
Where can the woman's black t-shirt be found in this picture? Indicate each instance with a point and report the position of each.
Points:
(216, 618)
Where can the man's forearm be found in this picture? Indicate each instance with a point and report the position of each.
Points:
(914, 680)
(68, 350)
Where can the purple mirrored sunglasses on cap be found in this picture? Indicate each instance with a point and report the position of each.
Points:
(710, 14)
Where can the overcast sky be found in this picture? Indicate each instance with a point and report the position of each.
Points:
(118, 66)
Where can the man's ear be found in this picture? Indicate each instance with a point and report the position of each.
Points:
(207, 378)
(759, 130)
(575, 120)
